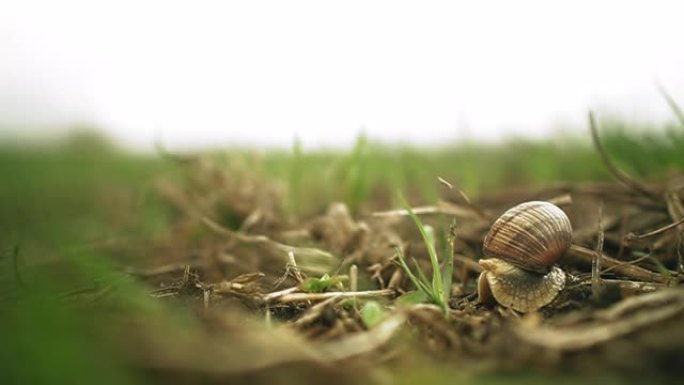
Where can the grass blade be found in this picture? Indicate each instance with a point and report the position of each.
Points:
(428, 239)
(412, 277)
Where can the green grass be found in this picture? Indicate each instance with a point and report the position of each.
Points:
(436, 290)
(56, 204)
(373, 172)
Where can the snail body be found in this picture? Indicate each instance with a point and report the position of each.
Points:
(520, 252)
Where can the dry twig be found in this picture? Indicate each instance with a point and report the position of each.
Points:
(630, 238)
(303, 297)
(617, 172)
(596, 262)
(585, 255)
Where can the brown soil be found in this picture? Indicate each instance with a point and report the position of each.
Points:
(626, 319)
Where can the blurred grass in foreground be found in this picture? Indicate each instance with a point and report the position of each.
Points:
(56, 203)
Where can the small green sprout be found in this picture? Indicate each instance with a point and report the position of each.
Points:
(372, 313)
(437, 291)
(322, 284)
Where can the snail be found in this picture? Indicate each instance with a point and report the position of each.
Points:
(519, 256)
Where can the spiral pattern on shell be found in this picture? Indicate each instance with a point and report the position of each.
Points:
(531, 235)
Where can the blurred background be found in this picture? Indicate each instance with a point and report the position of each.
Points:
(262, 73)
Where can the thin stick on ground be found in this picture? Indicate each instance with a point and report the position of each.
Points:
(303, 297)
(632, 262)
(585, 255)
(632, 286)
(632, 237)
(596, 262)
(442, 207)
(621, 175)
(270, 297)
(315, 312)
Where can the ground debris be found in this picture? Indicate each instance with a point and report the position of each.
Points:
(625, 317)
(268, 257)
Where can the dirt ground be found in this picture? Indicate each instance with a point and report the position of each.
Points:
(268, 314)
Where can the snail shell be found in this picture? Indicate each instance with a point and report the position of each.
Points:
(520, 251)
(531, 235)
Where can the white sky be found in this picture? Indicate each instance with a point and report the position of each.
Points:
(262, 72)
